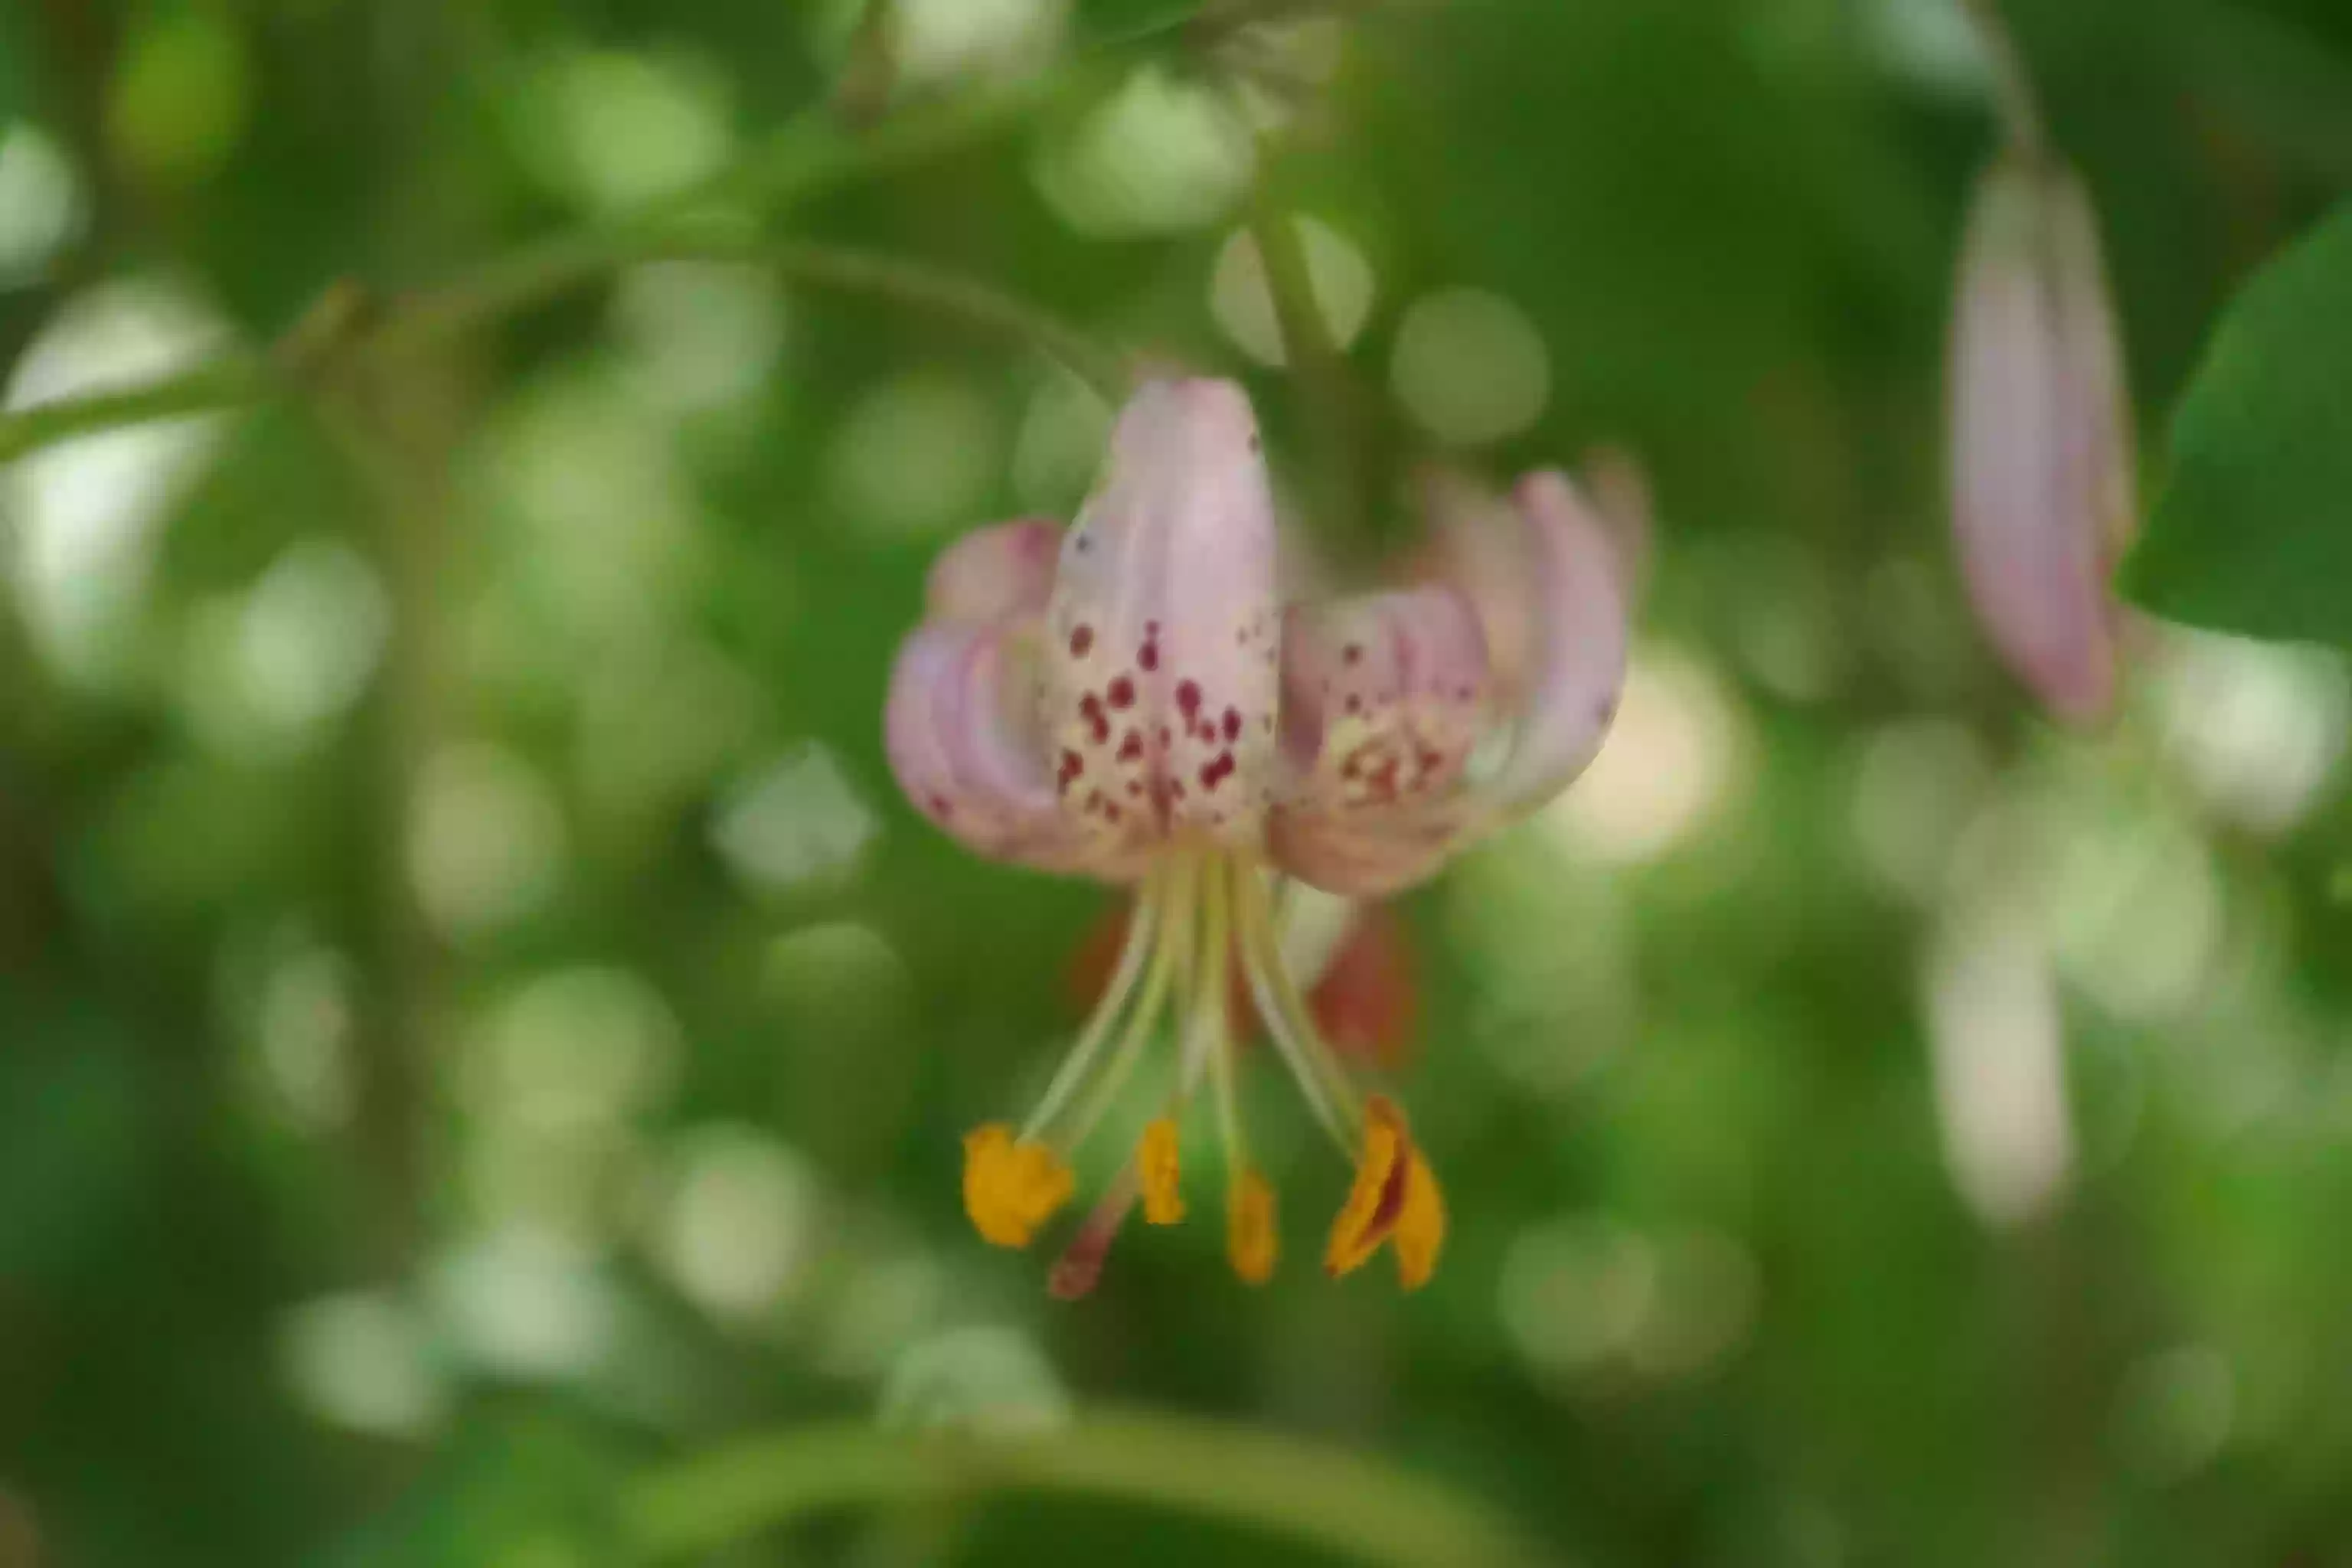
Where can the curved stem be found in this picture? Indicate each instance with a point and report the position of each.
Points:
(2021, 111)
(953, 295)
(799, 165)
(228, 383)
(1238, 1475)
(1315, 359)
(235, 382)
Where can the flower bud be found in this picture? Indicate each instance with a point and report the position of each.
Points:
(2041, 464)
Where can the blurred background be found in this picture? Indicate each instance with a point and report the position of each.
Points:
(480, 1032)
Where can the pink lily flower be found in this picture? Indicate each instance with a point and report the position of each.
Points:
(2041, 450)
(1130, 699)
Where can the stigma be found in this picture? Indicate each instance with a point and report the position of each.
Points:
(1201, 913)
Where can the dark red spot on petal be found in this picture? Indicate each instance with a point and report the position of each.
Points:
(1233, 723)
(1188, 701)
(942, 806)
(1355, 702)
(1148, 656)
(1130, 750)
(1090, 709)
(1352, 654)
(1217, 772)
(1082, 641)
(1122, 692)
(1072, 766)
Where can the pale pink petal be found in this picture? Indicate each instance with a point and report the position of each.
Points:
(1577, 591)
(960, 748)
(2040, 474)
(1160, 668)
(1384, 699)
(1619, 486)
(1368, 859)
(2099, 395)
(1476, 546)
(1000, 572)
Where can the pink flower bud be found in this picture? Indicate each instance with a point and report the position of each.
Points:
(2041, 463)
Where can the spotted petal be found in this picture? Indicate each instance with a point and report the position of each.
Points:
(966, 757)
(1384, 699)
(1159, 669)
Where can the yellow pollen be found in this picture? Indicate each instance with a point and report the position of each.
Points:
(1372, 1208)
(1155, 1165)
(1251, 1239)
(1421, 1226)
(1011, 1187)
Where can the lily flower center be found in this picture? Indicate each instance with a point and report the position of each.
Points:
(1199, 912)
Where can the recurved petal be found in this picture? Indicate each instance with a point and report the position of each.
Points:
(1383, 698)
(1368, 858)
(960, 750)
(1005, 571)
(1619, 486)
(1576, 584)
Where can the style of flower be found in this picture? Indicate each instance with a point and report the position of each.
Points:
(2041, 441)
(1129, 700)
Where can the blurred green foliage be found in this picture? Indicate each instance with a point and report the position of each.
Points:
(2251, 537)
(478, 1029)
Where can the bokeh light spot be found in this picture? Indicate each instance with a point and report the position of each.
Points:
(1673, 754)
(989, 1382)
(1993, 1025)
(1163, 154)
(609, 130)
(486, 840)
(573, 1049)
(793, 821)
(1574, 1293)
(1470, 367)
(933, 41)
(364, 1360)
(41, 201)
(1338, 277)
(518, 1303)
(84, 513)
(2258, 729)
(737, 1220)
(699, 335)
(312, 633)
(918, 455)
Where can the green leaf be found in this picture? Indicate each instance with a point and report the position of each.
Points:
(2253, 532)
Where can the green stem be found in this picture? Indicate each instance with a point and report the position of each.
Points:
(2021, 111)
(1316, 1495)
(953, 295)
(1315, 359)
(225, 384)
